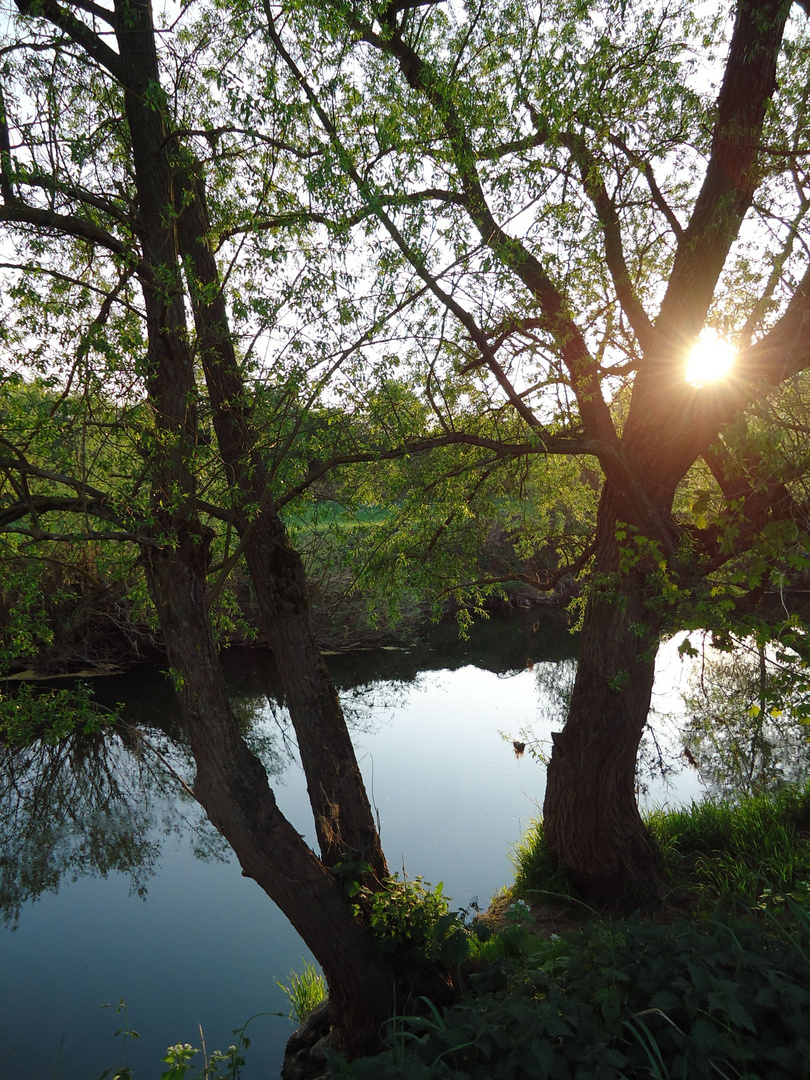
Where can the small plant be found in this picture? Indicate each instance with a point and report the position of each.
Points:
(221, 1065)
(126, 1031)
(412, 916)
(306, 990)
(518, 912)
(181, 1058)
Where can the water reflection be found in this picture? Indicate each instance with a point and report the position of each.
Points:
(747, 727)
(94, 804)
(90, 804)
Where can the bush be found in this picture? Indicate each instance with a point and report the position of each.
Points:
(718, 997)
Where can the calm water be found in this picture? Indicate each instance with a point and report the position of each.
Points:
(127, 894)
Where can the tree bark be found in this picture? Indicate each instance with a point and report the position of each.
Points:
(591, 818)
(343, 818)
(232, 786)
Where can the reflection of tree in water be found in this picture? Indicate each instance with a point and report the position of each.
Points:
(90, 804)
(748, 723)
(555, 684)
(366, 707)
(655, 760)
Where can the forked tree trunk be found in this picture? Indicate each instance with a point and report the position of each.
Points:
(591, 818)
(231, 783)
(232, 786)
(343, 819)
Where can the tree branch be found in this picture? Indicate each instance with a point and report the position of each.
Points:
(52, 184)
(25, 468)
(31, 268)
(95, 9)
(76, 31)
(785, 350)
(511, 252)
(605, 207)
(211, 135)
(556, 445)
(311, 217)
(652, 184)
(731, 175)
(70, 225)
(6, 189)
(43, 504)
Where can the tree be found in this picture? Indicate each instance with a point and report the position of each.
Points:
(567, 196)
(507, 193)
(102, 197)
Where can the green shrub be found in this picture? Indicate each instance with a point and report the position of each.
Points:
(412, 917)
(695, 999)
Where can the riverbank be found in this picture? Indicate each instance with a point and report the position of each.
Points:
(105, 633)
(715, 983)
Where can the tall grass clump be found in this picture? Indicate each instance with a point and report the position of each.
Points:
(537, 871)
(306, 990)
(756, 846)
(743, 849)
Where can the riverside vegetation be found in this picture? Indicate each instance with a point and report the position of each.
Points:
(717, 984)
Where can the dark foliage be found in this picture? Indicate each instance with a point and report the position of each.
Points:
(720, 997)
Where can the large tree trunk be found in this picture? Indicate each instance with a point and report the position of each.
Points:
(232, 786)
(231, 783)
(591, 818)
(343, 819)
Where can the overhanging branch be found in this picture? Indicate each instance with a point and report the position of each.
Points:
(80, 229)
(77, 31)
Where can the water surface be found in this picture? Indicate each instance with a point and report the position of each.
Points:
(137, 900)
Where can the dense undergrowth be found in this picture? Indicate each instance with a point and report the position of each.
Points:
(721, 993)
(715, 986)
(722, 996)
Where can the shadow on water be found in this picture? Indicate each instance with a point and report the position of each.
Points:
(503, 644)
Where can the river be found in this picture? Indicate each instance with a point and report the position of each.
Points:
(124, 893)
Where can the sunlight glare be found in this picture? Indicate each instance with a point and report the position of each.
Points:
(710, 359)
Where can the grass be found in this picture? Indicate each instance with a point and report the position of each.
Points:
(536, 869)
(739, 850)
(755, 847)
(330, 515)
(306, 990)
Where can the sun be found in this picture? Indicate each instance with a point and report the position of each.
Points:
(711, 359)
